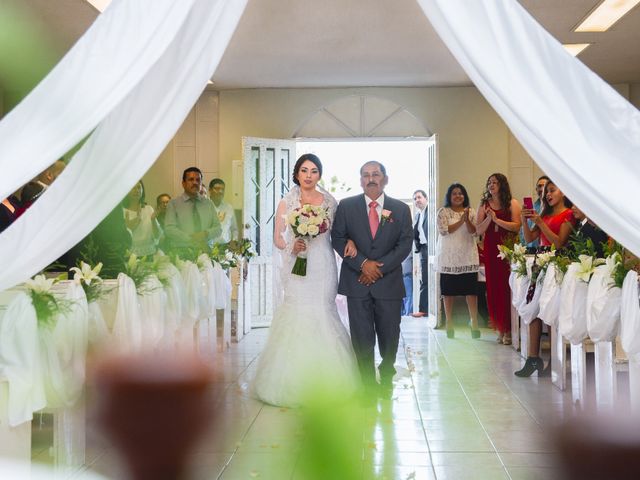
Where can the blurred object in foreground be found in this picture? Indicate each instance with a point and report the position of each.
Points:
(600, 447)
(154, 408)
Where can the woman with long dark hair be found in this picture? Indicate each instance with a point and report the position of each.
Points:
(498, 218)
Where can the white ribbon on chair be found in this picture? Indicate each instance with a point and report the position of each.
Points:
(193, 287)
(550, 296)
(127, 326)
(176, 303)
(630, 315)
(529, 311)
(572, 321)
(519, 285)
(209, 287)
(20, 361)
(153, 304)
(603, 306)
(223, 286)
(98, 330)
(64, 349)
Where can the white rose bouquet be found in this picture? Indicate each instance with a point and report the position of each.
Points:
(307, 222)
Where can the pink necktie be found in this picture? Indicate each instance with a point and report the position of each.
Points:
(374, 221)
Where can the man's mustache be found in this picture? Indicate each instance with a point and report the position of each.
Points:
(372, 184)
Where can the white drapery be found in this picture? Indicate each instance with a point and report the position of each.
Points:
(124, 145)
(579, 130)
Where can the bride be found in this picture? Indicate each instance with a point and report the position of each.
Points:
(308, 346)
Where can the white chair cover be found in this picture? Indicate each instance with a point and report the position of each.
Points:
(64, 349)
(153, 306)
(549, 301)
(630, 315)
(176, 303)
(603, 306)
(529, 311)
(519, 286)
(193, 288)
(98, 330)
(20, 361)
(127, 328)
(209, 295)
(572, 321)
(223, 287)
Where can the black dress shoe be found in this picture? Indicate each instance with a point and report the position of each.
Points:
(385, 389)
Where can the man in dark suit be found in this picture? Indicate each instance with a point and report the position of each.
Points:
(380, 226)
(420, 236)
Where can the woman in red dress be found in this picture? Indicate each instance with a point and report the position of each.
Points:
(552, 226)
(498, 217)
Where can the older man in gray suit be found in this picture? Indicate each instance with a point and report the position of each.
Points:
(380, 226)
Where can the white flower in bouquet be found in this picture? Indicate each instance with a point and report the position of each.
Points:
(587, 266)
(40, 284)
(86, 274)
(313, 230)
(611, 263)
(544, 258)
(519, 250)
(303, 229)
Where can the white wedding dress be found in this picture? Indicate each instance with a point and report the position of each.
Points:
(308, 346)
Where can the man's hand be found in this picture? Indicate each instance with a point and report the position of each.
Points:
(366, 280)
(370, 272)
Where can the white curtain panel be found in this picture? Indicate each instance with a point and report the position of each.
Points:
(106, 63)
(124, 145)
(577, 128)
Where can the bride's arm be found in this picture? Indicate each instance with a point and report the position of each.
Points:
(280, 227)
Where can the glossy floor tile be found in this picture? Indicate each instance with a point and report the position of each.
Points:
(457, 412)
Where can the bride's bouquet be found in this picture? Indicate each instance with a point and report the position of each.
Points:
(307, 222)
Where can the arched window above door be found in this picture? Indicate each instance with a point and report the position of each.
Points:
(362, 116)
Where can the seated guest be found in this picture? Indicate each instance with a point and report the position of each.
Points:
(226, 215)
(8, 209)
(191, 221)
(140, 219)
(30, 193)
(552, 226)
(585, 228)
(161, 207)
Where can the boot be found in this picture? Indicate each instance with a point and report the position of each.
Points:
(531, 365)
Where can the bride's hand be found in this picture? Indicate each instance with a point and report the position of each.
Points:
(299, 246)
(350, 249)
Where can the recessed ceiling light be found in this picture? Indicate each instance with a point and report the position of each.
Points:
(605, 15)
(575, 48)
(99, 5)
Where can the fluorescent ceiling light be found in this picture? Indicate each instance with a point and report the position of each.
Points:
(99, 5)
(605, 15)
(575, 48)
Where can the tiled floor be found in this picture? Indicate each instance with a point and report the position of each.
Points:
(457, 412)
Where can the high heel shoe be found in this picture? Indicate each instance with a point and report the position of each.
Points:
(546, 372)
(475, 334)
(531, 365)
(451, 333)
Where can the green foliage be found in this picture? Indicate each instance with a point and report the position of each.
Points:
(334, 185)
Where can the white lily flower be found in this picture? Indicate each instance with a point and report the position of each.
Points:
(545, 258)
(503, 252)
(86, 273)
(587, 267)
(519, 249)
(40, 284)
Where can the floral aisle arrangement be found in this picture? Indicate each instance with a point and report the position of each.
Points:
(140, 270)
(87, 277)
(45, 303)
(242, 248)
(515, 254)
(223, 255)
(307, 222)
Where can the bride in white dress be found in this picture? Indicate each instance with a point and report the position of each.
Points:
(308, 346)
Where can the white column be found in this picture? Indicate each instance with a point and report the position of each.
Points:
(606, 385)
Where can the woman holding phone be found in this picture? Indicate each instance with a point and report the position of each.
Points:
(552, 226)
(498, 217)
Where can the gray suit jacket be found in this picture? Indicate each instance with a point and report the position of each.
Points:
(391, 246)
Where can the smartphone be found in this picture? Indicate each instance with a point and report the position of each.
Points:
(527, 203)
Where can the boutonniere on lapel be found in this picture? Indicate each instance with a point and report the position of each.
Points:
(385, 217)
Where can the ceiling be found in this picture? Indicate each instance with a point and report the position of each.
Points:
(349, 43)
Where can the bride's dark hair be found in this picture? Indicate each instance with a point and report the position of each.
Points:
(303, 158)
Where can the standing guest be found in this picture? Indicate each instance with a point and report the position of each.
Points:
(498, 217)
(226, 215)
(420, 234)
(141, 220)
(30, 193)
(48, 176)
(457, 255)
(585, 228)
(161, 207)
(191, 221)
(552, 226)
(537, 206)
(407, 278)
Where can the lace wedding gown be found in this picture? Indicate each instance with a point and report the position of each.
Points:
(308, 346)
